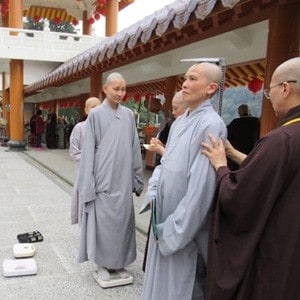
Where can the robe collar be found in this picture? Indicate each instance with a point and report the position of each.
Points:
(201, 107)
(189, 116)
(116, 113)
(291, 114)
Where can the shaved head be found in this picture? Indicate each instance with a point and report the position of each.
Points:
(211, 71)
(91, 103)
(113, 77)
(201, 82)
(179, 106)
(289, 70)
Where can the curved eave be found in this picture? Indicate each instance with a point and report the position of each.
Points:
(173, 26)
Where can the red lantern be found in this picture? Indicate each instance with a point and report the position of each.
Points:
(96, 16)
(91, 21)
(125, 99)
(255, 85)
(137, 98)
(75, 22)
(102, 11)
(148, 96)
(56, 20)
(36, 19)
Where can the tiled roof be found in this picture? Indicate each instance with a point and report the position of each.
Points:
(176, 14)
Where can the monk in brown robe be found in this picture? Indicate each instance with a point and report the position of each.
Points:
(254, 241)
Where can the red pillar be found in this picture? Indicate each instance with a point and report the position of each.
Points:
(111, 21)
(86, 26)
(16, 142)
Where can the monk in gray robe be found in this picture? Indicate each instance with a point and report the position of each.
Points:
(180, 193)
(76, 143)
(254, 240)
(110, 171)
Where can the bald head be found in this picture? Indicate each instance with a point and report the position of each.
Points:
(178, 105)
(210, 71)
(289, 71)
(114, 77)
(114, 89)
(91, 103)
(201, 83)
(284, 87)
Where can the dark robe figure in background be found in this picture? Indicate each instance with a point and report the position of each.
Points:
(39, 128)
(243, 132)
(51, 126)
(254, 240)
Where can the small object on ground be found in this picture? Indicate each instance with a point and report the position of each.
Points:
(112, 278)
(24, 250)
(30, 237)
(19, 267)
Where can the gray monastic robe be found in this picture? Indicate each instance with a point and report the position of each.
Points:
(184, 185)
(110, 171)
(76, 142)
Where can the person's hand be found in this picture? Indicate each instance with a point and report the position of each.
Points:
(156, 141)
(156, 146)
(215, 152)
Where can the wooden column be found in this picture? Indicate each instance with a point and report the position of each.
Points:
(16, 142)
(95, 85)
(111, 21)
(170, 92)
(86, 26)
(16, 101)
(283, 43)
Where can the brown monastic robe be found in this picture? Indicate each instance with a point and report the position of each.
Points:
(254, 243)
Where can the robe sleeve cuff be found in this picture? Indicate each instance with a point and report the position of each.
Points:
(221, 172)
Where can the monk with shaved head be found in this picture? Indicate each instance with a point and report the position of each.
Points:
(254, 242)
(180, 193)
(110, 172)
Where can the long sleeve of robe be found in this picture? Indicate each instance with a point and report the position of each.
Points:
(254, 242)
(110, 171)
(184, 192)
(76, 141)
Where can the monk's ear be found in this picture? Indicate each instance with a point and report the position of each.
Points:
(105, 88)
(212, 88)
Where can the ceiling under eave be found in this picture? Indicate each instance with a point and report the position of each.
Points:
(236, 75)
(176, 25)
